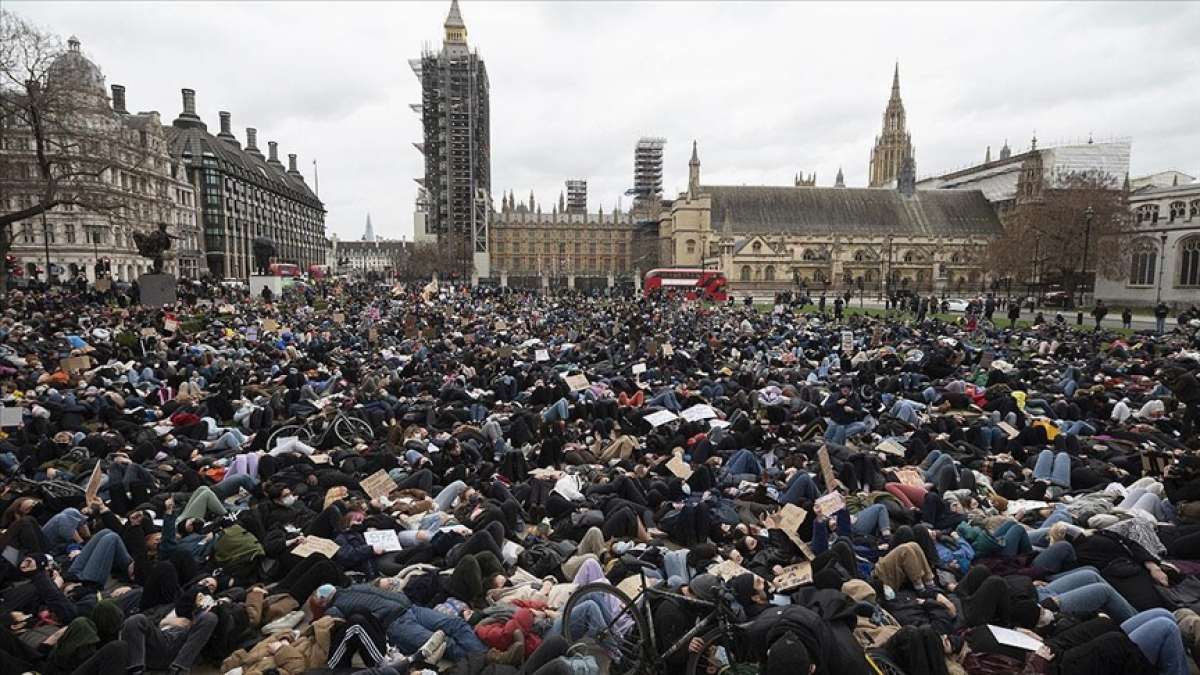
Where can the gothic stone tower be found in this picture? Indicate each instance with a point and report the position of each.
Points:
(894, 144)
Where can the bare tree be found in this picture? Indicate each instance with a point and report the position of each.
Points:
(1070, 230)
(60, 143)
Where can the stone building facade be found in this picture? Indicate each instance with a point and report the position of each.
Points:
(242, 195)
(769, 238)
(142, 176)
(1164, 256)
(386, 257)
(530, 248)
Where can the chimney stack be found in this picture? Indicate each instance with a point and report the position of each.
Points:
(252, 142)
(227, 129)
(118, 99)
(189, 118)
(292, 164)
(273, 155)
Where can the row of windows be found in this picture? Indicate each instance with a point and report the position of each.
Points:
(1145, 261)
(559, 265)
(1178, 210)
(547, 247)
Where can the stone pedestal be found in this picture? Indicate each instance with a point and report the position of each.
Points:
(474, 280)
(504, 279)
(637, 280)
(260, 281)
(545, 283)
(571, 281)
(611, 280)
(156, 290)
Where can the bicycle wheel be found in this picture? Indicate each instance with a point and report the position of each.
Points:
(604, 614)
(296, 430)
(349, 430)
(718, 655)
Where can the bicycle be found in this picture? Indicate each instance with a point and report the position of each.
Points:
(629, 637)
(315, 430)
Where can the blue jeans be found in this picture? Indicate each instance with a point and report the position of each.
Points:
(1084, 591)
(1144, 501)
(665, 399)
(743, 462)
(1040, 536)
(1076, 428)
(838, 433)
(1013, 537)
(588, 618)
(414, 627)
(935, 463)
(230, 484)
(906, 410)
(1055, 557)
(872, 520)
(1055, 468)
(102, 552)
(1155, 632)
(445, 499)
(801, 486)
(559, 411)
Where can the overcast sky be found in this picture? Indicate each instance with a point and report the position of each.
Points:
(768, 89)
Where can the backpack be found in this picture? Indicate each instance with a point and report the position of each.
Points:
(541, 560)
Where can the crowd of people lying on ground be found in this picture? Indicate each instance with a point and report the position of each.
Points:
(354, 479)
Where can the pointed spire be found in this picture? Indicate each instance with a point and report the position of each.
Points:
(1175, 181)
(1005, 152)
(455, 27)
(532, 201)
(896, 80)
(796, 179)
(695, 154)
(562, 202)
(987, 158)
(694, 173)
(1033, 143)
(840, 181)
(369, 233)
(1125, 187)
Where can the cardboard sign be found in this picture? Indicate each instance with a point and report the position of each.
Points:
(91, 493)
(11, 417)
(227, 309)
(339, 318)
(281, 441)
(847, 341)
(827, 469)
(150, 332)
(319, 458)
(911, 477)
(828, 505)
(877, 336)
(384, 539)
(728, 569)
(378, 484)
(170, 325)
(270, 325)
(667, 349)
(793, 577)
(541, 355)
(577, 382)
(657, 419)
(680, 468)
(373, 335)
(313, 545)
(1008, 429)
(75, 363)
(985, 360)
(333, 494)
(789, 519)
(891, 447)
(103, 284)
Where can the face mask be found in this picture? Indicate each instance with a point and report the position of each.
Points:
(288, 500)
(174, 442)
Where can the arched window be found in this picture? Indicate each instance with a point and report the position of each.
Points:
(1178, 210)
(1189, 262)
(1194, 210)
(1143, 263)
(745, 273)
(869, 275)
(769, 273)
(1147, 213)
(812, 254)
(908, 256)
(860, 255)
(691, 246)
(756, 246)
(922, 276)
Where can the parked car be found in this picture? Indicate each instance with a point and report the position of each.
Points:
(958, 304)
(1056, 299)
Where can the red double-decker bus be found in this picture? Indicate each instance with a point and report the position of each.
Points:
(687, 283)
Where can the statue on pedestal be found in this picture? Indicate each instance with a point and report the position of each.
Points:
(154, 245)
(264, 250)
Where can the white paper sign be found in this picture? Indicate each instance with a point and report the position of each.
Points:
(541, 355)
(680, 468)
(829, 504)
(1015, 638)
(657, 419)
(285, 440)
(639, 368)
(384, 539)
(717, 424)
(847, 341)
(10, 417)
(700, 411)
(891, 447)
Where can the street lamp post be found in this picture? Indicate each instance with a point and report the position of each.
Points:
(46, 242)
(1162, 266)
(1088, 215)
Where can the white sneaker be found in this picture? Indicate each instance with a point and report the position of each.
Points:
(284, 623)
(433, 649)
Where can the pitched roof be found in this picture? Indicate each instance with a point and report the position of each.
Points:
(197, 140)
(812, 210)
